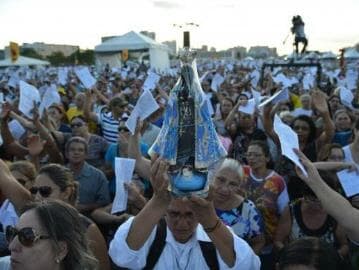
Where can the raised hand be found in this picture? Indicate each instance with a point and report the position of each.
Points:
(160, 180)
(312, 171)
(5, 111)
(320, 101)
(203, 209)
(35, 145)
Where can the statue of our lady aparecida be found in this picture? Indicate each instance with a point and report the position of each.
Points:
(188, 140)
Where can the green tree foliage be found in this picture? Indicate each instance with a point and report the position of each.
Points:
(29, 52)
(86, 57)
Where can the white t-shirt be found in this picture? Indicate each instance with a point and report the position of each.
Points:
(175, 255)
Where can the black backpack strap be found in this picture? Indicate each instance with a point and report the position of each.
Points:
(157, 245)
(210, 255)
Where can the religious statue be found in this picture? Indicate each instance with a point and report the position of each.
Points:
(188, 139)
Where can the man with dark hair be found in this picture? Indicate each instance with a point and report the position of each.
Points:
(93, 190)
(299, 36)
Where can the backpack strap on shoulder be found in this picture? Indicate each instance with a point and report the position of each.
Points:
(210, 255)
(157, 245)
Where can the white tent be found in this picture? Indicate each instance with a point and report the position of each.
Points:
(351, 54)
(23, 61)
(109, 52)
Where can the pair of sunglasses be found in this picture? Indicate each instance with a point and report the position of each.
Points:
(45, 191)
(76, 125)
(27, 236)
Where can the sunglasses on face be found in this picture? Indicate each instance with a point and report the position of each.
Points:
(45, 191)
(27, 236)
(76, 125)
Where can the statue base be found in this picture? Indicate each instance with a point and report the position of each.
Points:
(187, 182)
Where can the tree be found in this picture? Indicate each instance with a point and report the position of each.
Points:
(57, 59)
(29, 52)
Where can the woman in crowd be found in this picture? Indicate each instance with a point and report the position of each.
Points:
(267, 190)
(234, 210)
(306, 217)
(343, 127)
(49, 235)
(57, 114)
(308, 253)
(226, 105)
(53, 182)
(309, 140)
(351, 151)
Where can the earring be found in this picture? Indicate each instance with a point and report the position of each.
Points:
(57, 260)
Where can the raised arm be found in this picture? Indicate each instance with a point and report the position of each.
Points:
(146, 220)
(268, 123)
(88, 113)
(232, 113)
(143, 165)
(12, 146)
(321, 106)
(335, 204)
(220, 235)
(12, 189)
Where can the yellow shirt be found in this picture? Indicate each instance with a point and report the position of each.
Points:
(295, 101)
(73, 112)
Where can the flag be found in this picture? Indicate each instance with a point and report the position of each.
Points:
(124, 55)
(14, 51)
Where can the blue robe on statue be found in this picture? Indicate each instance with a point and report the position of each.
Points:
(208, 148)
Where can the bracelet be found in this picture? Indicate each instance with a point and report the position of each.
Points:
(215, 227)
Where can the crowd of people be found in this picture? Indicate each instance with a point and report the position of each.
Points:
(58, 180)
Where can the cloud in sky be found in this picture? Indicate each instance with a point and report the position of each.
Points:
(223, 23)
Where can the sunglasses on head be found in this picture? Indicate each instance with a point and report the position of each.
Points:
(27, 236)
(45, 191)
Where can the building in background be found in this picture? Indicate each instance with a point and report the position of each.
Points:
(45, 50)
(262, 52)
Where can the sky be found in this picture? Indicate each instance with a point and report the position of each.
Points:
(329, 25)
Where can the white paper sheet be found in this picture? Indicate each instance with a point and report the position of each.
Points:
(308, 81)
(288, 141)
(85, 77)
(346, 97)
(217, 80)
(145, 106)
(249, 108)
(277, 97)
(13, 81)
(349, 182)
(16, 129)
(151, 81)
(50, 97)
(28, 95)
(62, 76)
(124, 168)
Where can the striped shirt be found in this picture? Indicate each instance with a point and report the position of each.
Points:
(109, 126)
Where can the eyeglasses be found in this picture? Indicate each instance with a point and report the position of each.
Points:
(77, 125)
(27, 236)
(45, 191)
